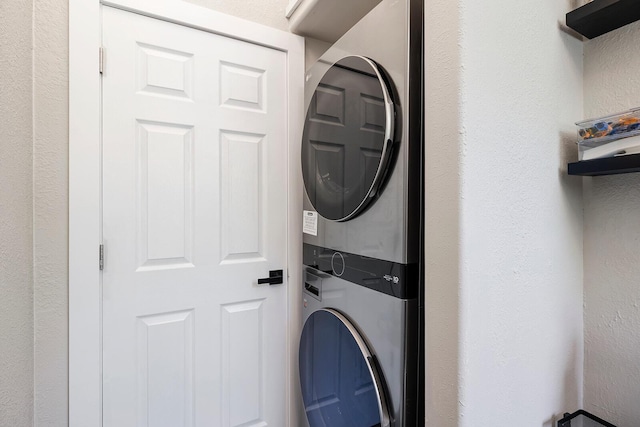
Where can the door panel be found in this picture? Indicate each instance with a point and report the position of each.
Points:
(242, 198)
(165, 355)
(194, 212)
(165, 174)
(242, 86)
(165, 71)
(242, 397)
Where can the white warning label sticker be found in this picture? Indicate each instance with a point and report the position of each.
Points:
(310, 222)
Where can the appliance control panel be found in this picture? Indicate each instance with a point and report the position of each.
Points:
(391, 278)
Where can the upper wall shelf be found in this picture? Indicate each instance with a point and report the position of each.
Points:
(606, 166)
(326, 20)
(601, 16)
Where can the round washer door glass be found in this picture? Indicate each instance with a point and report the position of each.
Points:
(341, 385)
(348, 137)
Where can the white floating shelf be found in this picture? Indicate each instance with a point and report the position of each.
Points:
(326, 20)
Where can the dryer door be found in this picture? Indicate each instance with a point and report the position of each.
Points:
(348, 138)
(341, 383)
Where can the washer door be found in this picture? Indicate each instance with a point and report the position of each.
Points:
(341, 384)
(348, 137)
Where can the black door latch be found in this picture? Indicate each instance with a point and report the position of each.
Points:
(275, 278)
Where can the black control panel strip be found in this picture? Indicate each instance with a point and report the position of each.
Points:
(391, 278)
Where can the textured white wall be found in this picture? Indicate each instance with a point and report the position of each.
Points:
(521, 335)
(504, 221)
(442, 211)
(16, 216)
(50, 203)
(611, 242)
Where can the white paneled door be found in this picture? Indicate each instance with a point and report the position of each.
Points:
(194, 213)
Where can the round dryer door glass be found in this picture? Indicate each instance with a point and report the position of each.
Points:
(341, 384)
(348, 137)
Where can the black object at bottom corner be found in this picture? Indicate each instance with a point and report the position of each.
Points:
(391, 278)
(566, 420)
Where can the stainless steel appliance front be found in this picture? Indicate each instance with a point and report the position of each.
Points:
(375, 280)
(386, 226)
(340, 387)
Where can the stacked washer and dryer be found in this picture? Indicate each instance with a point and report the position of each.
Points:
(361, 351)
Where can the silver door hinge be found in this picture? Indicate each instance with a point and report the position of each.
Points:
(101, 60)
(101, 257)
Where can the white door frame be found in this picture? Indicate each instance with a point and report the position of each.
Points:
(85, 221)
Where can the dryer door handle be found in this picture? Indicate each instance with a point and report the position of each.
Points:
(374, 368)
